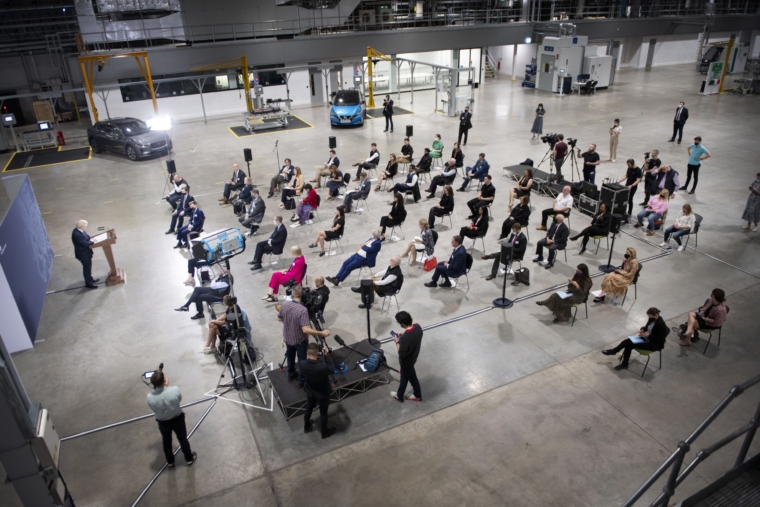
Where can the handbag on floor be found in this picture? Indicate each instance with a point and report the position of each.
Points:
(430, 263)
(522, 276)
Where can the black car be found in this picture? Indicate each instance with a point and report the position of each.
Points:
(129, 136)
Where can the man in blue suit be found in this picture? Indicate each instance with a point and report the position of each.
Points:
(454, 267)
(196, 222)
(83, 252)
(273, 245)
(181, 211)
(364, 256)
(478, 171)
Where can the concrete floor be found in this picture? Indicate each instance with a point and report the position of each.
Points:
(517, 411)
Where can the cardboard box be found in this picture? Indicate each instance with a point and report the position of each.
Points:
(43, 111)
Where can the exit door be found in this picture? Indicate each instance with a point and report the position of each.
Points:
(546, 71)
(316, 86)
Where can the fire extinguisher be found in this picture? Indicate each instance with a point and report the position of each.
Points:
(498, 64)
(61, 140)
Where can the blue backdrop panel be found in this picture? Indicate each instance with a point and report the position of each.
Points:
(27, 257)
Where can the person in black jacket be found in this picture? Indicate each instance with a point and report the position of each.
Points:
(600, 226)
(519, 244)
(654, 332)
(388, 112)
(556, 239)
(237, 181)
(423, 165)
(457, 155)
(273, 245)
(177, 181)
(465, 124)
(444, 207)
(83, 252)
(519, 215)
(395, 217)
(679, 120)
(316, 373)
(408, 345)
(478, 227)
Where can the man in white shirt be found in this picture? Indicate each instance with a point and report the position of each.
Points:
(333, 160)
(562, 205)
(368, 163)
(614, 137)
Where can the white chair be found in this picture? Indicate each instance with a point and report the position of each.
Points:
(387, 297)
(393, 228)
(269, 260)
(359, 276)
(329, 242)
(357, 209)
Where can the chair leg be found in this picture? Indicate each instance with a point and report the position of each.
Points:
(645, 365)
(635, 291)
(720, 332)
(483, 241)
(708, 343)
(586, 303)
(565, 250)
(574, 314)
(598, 244)
(661, 359)
(624, 296)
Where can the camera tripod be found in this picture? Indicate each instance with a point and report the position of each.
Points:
(574, 165)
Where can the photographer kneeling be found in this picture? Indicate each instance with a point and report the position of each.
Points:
(316, 372)
(224, 327)
(295, 319)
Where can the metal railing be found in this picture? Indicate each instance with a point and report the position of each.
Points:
(676, 477)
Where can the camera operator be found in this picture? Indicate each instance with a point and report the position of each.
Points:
(651, 163)
(164, 401)
(590, 161)
(316, 373)
(224, 327)
(560, 152)
(295, 319)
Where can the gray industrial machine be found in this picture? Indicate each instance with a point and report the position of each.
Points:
(558, 58)
(599, 69)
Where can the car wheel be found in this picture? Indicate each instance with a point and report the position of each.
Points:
(131, 153)
(94, 145)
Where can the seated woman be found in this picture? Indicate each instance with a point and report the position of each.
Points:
(523, 187)
(306, 206)
(390, 171)
(293, 190)
(600, 225)
(478, 227)
(656, 208)
(294, 272)
(335, 232)
(711, 315)
(224, 326)
(578, 286)
(334, 182)
(519, 215)
(406, 152)
(458, 156)
(423, 242)
(654, 331)
(616, 283)
(444, 207)
(437, 149)
(682, 226)
(395, 217)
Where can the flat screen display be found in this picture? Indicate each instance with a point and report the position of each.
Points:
(44, 125)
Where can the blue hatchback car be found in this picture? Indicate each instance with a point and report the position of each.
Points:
(348, 108)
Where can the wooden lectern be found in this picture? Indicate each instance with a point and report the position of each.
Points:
(104, 241)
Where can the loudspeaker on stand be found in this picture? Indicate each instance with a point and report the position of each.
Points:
(409, 131)
(247, 154)
(333, 142)
(170, 167)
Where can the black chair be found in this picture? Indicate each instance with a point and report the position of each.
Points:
(329, 244)
(585, 302)
(451, 223)
(387, 297)
(711, 330)
(694, 231)
(634, 283)
(589, 88)
(414, 191)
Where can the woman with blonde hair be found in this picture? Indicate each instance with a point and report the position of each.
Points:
(423, 242)
(655, 210)
(294, 190)
(294, 272)
(616, 283)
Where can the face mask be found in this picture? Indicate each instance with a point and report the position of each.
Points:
(627, 256)
(578, 273)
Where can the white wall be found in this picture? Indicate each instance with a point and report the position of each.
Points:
(525, 52)
(754, 44)
(669, 50)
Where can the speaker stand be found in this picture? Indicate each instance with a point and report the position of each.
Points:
(503, 302)
(609, 268)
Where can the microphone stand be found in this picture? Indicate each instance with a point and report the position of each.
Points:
(278, 155)
(503, 302)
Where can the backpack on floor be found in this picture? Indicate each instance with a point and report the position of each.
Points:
(522, 276)
(375, 361)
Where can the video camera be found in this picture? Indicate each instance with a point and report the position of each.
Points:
(551, 138)
(571, 142)
(312, 300)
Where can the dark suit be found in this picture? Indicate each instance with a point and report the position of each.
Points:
(464, 126)
(183, 206)
(238, 181)
(255, 214)
(559, 236)
(600, 226)
(356, 261)
(447, 206)
(519, 245)
(318, 389)
(196, 222)
(679, 120)
(456, 268)
(388, 113)
(656, 339)
(273, 245)
(365, 187)
(83, 253)
(520, 214)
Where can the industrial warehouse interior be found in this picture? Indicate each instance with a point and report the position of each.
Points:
(184, 208)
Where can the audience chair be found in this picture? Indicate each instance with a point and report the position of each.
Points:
(393, 228)
(269, 260)
(567, 217)
(422, 177)
(388, 297)
(388, 181)
(711, 330)
(404, 167)
(481, 237)
(414, 192)
(563, 250)
(356, 205)
(468, 266)
(329, 242)
(369, 172)
(648, 353)
(694, 231)
(451, 223)
(437, 162)
(598, 239)
(359, 275)
(585, 302)
(525, 229)
(634, 283)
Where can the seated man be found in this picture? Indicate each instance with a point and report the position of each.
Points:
(365, 256)
(711, 315)
(423, 166)
(176, 194)
(237, 181)
(406, 153)
(225, 325)
(409, 184)
(449, 172)
(333, 160)
(219, 288)
(255, 214)
(243, 198)
(485, 197)
(519, 244)
(369, 162)
(478, 171)
(196, 222)
(562, 205)
(556, 239)
(181, 211)
(283, 176)
(362, 192)
(454, 267)
(323, 290)
(273, 245)
(387, 281)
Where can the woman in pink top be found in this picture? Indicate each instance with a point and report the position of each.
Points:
(711, 315)
(656, 208)
(295, 271)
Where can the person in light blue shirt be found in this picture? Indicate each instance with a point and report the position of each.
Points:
(697, 153)
(165, 401)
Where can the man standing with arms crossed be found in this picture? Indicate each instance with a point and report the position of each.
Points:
(408, 346)
(164, 402)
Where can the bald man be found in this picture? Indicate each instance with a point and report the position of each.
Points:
(83, 252)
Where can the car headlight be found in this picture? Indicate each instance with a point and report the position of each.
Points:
(358, 113)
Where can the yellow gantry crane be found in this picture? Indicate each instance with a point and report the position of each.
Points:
(89, 73)
(371, 55)
(241, 63)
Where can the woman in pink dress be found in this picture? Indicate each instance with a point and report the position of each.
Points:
(295, 271)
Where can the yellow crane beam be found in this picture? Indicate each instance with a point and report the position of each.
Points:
(373, 54)
(242, 64)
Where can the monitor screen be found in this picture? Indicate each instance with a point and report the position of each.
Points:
(8, 119)
(44, 125)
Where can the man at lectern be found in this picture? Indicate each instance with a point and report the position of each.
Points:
(83, 253)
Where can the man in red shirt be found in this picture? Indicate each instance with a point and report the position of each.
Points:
(560, 152)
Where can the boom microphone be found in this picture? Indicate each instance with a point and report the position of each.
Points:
(340, 341)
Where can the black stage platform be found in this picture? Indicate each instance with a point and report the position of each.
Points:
(294, 123)
(292, 399)
(45, 157)
(376, 113)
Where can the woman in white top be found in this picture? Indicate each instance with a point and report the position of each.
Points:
(683, 225)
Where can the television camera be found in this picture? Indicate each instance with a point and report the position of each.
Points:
(551, 139)
(572, 142)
